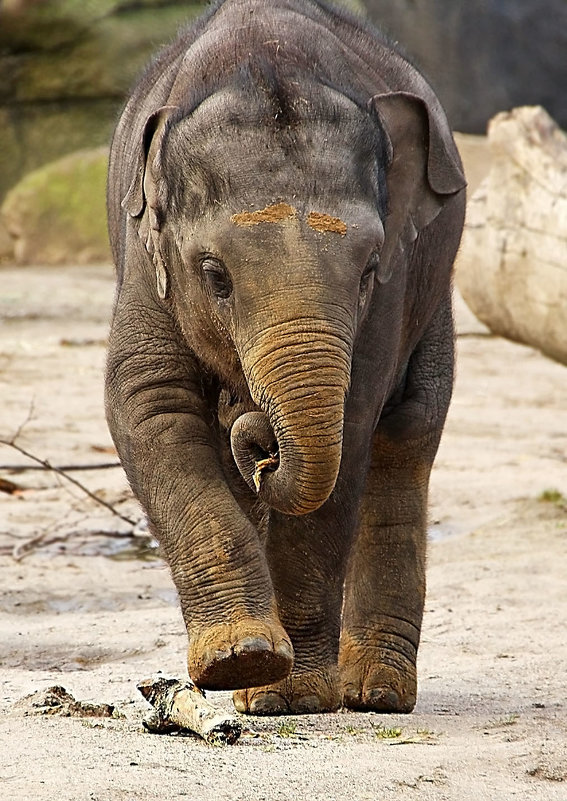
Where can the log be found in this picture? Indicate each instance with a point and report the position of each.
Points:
(180, 706)
(512, 266)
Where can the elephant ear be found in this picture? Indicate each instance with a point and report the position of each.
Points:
(425, 171)
(146, 195)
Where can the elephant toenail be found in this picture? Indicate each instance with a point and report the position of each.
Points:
(268, 704)
(284, 649)
(215, 655)
(384, 699)
(252, 644)
(308, 704)
(240, 701)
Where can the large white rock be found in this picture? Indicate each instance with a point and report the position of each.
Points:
(512, 266)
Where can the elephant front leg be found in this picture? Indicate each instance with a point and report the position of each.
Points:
(235, 635)
(385, 586)
(307, 558)
(385, 592)
(158, 417)
(214, 553)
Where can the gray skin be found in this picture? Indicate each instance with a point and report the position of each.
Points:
(285, 204)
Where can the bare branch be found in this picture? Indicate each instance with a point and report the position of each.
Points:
(45, 539)
(23, 424)
(22, 468)
(58, 471)
(181, 706)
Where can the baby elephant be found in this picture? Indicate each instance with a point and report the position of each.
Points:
(285, 204)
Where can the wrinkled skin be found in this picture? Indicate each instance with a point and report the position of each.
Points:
(285, 204)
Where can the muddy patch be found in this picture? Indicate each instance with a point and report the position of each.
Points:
(271, 214)
(325, 224)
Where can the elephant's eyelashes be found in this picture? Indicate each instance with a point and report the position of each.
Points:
(370, 269)
(367, 283)
(368, 275)
(217, 277)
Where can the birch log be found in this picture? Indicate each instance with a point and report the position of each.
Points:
(512, 267)
(181, 706)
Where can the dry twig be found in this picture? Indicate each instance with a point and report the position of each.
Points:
(58, 471)
(46, 538)
(22, 468)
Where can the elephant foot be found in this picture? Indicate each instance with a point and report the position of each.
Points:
(376, 679)
(301, 694)
(248, 653)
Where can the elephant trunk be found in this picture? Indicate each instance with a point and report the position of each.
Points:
(290, 452)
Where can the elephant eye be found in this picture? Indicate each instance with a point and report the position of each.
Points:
(370, 269)
(367, 282)
(216, 277)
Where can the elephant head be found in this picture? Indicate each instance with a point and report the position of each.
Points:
(272, 210)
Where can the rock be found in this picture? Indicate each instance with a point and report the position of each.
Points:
(484, 56)
(55, 700)
(512, 266)
(57, 214)
(6, 245)
(66, 68)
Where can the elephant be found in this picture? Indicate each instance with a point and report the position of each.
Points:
(285, 203)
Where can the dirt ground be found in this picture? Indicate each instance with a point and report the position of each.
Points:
(95, 612)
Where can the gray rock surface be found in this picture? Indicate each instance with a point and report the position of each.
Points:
(484, 56)
(511, 267)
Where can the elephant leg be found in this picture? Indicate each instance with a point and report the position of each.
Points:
(385, 592)
(160, 421)
(385, 586)
(307, 558)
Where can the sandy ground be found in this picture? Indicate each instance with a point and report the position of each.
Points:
(90, 613)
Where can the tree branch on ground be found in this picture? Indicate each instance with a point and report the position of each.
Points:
(63, 472)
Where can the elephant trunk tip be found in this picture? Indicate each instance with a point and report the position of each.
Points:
(254, 447)
(277, 476)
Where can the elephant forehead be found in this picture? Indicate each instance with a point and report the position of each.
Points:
(334, 241)
(328, 153)
(278, 212)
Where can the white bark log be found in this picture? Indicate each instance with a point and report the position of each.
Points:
(181, 706)
(512, 266)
